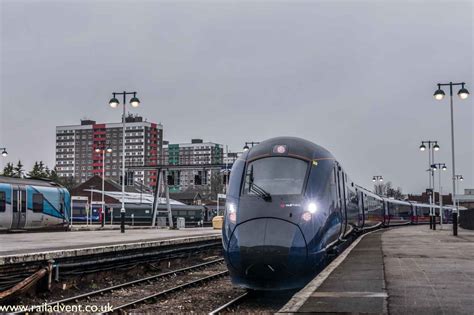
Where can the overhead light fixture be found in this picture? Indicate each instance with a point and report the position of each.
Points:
(439, 94)
(114, 102)
(463, 93)
(135, 102)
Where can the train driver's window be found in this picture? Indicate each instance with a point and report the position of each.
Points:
(2, 201)
(37, 202)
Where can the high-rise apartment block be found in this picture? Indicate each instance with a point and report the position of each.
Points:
(76, 145)
(195, 153)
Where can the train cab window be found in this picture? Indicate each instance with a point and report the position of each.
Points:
(38, 202)
(3, 201)
(275, 176)
(321, 179)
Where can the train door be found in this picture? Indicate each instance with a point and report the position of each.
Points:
(362, 207)
(18, 207)
(342, 184)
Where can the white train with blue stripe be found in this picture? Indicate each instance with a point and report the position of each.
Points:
(32, 204)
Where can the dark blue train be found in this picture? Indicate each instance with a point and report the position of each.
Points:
(29, 204)
(289, 202)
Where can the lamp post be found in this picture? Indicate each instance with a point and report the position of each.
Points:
(135, 102)
(103, 151)
(432, 146)
(439, 167)
(459, 178)
(463, 93)
(375, 179)
(246, 146)
(90, 207)
(4, 152)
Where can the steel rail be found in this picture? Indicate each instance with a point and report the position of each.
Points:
(229, 304)
(131, 283)
(177, 288)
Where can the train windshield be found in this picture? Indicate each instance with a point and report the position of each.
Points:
(276, 176)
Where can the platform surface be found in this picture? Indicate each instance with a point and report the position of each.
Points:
(406, 270)
(23, 246)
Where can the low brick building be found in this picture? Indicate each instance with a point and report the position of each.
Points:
(424, 198)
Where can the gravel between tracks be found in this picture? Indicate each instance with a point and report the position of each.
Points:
(198, 300)
(72, 286)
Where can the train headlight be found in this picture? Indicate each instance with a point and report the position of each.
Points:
(306, 216)
(312, 207)
(231, 212)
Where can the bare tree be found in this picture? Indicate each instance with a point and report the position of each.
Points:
(217, 186)
(386, 189)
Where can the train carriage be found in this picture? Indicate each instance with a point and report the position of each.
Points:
(289, 202)
(371, 208)
(31, 204)
(398, 212)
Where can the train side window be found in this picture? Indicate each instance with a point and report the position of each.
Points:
(15, 201)
(235, 180)
(37, 202)
(23, 201)
(2, 201)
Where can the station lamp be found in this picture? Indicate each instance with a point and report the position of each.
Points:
(134, 101)
(108, 150)
(377, 178)
(439, 94)
(113, 102)
(4, 152)
(422, 147)
(436, 147)
(252, 143)
(463, 93)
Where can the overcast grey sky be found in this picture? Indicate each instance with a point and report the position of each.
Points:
(356, 77)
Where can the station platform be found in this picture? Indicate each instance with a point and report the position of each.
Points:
(42, 246)
(403, 270)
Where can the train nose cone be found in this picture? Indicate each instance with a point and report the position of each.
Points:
(267, 250)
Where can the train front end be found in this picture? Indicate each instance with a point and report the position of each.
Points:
(278, 210)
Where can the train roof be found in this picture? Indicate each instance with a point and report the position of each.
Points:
(401, 202)
(369, 193)
(160, 206)
(294, 147)
(28, 181)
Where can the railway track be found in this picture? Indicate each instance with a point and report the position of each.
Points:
(234, 302)
(145, 280)
(171, 290)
